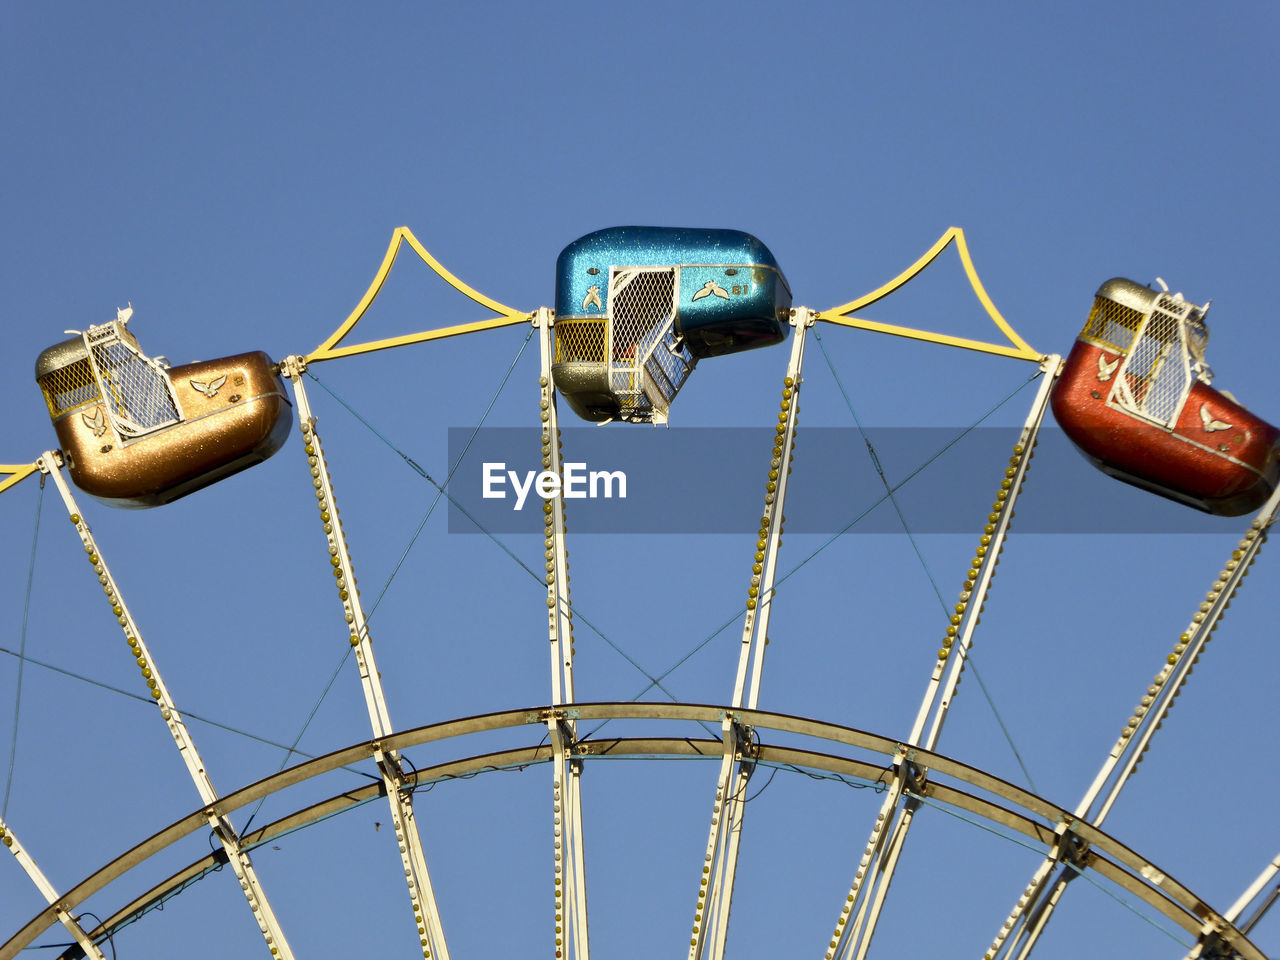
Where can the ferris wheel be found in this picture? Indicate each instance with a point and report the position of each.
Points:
(636, 310)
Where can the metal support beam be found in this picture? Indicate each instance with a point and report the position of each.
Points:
(1267, 876)
(10, 840)
(422, 898)
(1211, 945)
(1031, 913)
(860, 912)
(719, 868)
(571, 932)
(51, 463)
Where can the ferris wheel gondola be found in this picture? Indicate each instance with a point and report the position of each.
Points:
(1135, 397)
(638, 307)
(136, 432)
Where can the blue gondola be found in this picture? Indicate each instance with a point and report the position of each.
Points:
(638, 307)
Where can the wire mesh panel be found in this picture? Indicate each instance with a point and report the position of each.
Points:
(69, 387)
(668, 365)
(641, 305)
(138, 393)
(580, 340)
(1156, 376)
(1112, 325)
(647, 362)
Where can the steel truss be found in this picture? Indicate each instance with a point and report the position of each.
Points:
(739, 755)
(422, 898)
(571, 936)
(28, 864)
(860, 911)
(1071, 849)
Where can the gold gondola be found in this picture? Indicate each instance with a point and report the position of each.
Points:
(136, 432)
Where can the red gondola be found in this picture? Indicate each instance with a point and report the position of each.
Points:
(1134, 396)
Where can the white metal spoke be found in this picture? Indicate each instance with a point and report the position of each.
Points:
(571, 930)
(1016, 921)
(870, 885)
(1036, 923)
(719, 868)
(842, 940)
(1265, 877)
(241, 865)
(887, 865)
(28, 864)
(1135, 738)
(1210, 942)
(969, 609)
(426, 913)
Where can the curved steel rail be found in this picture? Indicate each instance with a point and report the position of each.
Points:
(1005, 804)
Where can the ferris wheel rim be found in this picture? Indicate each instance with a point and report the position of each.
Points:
(1113, 860)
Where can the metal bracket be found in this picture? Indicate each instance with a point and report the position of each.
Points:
(915, 780)
(1070, 848)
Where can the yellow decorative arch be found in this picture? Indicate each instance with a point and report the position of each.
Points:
(11, 475)
(330, 350)
(1016, 347)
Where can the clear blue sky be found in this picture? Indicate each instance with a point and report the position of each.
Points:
(236, 171)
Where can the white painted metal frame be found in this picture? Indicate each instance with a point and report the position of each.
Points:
(1031, 913)
(1121, 395)
(635, 368)
(10, 840)
(105, 335)
(571, 931)
(710, 930)
(874, 873)
(1211, 942)
(51, 463)
(1267, 876)
(426, 913)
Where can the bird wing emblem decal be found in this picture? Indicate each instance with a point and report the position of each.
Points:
(97, 423)
(210, 388)
(709, 288)
(1106, 368)
(592, 299)
(1210, 424)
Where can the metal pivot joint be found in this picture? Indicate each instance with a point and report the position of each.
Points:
(710, 929)
(571, 929)
(246, 875)
(397, 786)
